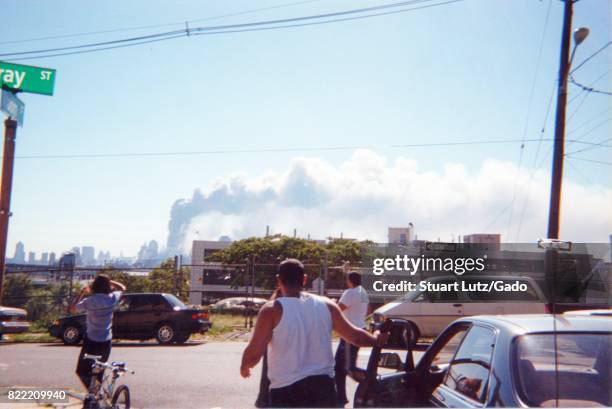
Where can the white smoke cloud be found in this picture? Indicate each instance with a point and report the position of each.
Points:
(364, 195)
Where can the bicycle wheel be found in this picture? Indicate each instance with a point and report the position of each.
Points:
(121, 398)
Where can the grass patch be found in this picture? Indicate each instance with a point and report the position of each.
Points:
(28, 337)
(223, 326)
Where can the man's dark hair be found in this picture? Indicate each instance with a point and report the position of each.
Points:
(101, 284)
(291, 273)
(354, 278)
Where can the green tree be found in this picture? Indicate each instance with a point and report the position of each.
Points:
(18, 288)
(164, 279)
(267, 252)
(133, 284)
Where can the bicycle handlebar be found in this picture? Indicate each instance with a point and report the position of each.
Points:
(97, 362)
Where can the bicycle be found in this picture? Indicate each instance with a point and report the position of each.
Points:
(102, 395)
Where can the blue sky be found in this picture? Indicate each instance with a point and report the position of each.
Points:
(458, 72)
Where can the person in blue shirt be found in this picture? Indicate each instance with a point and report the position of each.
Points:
(98, 301)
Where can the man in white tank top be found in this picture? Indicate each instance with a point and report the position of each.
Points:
(296, 329)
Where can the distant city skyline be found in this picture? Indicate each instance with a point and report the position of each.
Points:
(85, 255)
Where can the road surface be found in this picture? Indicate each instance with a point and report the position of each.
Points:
(195, 375)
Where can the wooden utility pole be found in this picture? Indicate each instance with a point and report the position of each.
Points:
(10, 134)
(554, 211)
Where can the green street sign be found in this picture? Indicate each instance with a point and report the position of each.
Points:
(26, 78)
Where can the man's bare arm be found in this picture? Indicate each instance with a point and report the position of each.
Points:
(351, 333)
(266, 321)
(72, 307)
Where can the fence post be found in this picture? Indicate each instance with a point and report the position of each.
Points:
(176, 270)
(325, 272)
(70, 291)
(252, 306)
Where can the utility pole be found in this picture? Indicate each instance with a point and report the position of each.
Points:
(559, 143)
(10, 134)
(176, 275)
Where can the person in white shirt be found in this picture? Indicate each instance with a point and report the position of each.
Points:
(296, 329)
(354, 305)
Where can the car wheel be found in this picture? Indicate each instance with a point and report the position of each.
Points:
(72, 335)
(165, 333)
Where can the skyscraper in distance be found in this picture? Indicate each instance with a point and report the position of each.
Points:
(19, 253)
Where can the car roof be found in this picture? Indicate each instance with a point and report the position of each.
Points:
(597, 312)
(534, 323)
(13, 310)
(481, 277)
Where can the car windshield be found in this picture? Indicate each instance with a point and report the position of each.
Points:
(579, 374)
(409, 296)
(175, 302)
(529, 294)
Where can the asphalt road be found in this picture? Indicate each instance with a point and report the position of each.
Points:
(195, 375)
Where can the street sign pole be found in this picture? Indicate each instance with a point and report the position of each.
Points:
(10, 134)
(15, 78)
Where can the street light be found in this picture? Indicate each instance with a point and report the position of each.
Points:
(580, 35)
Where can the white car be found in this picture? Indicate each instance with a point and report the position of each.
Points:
(431, 311)
(13, 320)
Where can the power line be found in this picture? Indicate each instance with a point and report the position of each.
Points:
(592, 160)
(590, 85)
(599, 125)
(591, 56)
(594, 146)
(99, 49)
(535, 158)
(527, 115)
(583, 176)
(588, 89)
(596, 116)
(225, 29)
(104, 43)
(284, 150)
(157, 25)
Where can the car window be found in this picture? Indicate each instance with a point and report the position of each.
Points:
(124, 303)
(159, 303)
(140, 303)
(422, 297)
(468, 373)
(447, 352)
(174, 302)
(582, 367)
(530, 295)
(444, 296)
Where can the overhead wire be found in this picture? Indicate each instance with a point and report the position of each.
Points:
(146, 27)
(225, 29)
(588, 121)
(528, 113)
(590, 57)
(601, 144)
(283, 150)
(586, 88)
(592, 161)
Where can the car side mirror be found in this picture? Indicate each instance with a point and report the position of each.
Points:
(390, 360)
(401, 334)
